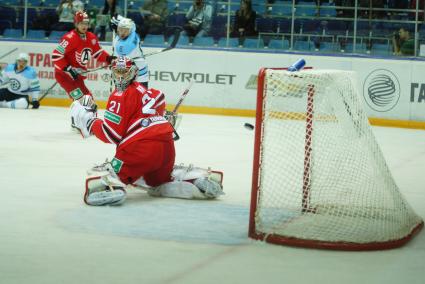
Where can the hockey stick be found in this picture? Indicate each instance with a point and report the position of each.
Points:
(54, 85)
(46, 92)
(182, 97)
(176, 37)
(173, 114)
(173, 44)
(6, 54)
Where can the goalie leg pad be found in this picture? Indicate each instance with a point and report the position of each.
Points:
(103, 187)
(209, 182)
(100, 191)
(177, 189)
(209, 187)
(190, 173)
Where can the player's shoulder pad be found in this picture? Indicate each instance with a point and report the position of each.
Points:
(154, 92)
(92, 38)
(70, 35)
(30, 72)
(138, 87)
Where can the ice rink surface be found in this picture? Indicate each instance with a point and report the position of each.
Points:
(48, 235)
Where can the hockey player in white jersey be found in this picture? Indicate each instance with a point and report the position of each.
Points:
(20, 83)
(127, 43)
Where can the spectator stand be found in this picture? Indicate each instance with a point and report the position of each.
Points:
(307, 26)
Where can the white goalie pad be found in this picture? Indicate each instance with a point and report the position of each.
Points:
(189, 183)
(177, 189)
(208, 183)
(190, 173)
(103, 187)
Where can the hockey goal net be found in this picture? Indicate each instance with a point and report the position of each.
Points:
(319, 177)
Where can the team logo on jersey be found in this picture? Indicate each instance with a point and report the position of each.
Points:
(112, 117)
(116, 164)
(83, 57)
(15, 84)
(145, 122)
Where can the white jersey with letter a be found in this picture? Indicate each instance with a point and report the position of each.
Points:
(24, 82)
(130, 47)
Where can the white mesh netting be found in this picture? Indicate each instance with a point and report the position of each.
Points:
(336, 189)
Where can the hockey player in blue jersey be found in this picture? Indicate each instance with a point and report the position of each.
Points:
(127, 43)
(21, 83)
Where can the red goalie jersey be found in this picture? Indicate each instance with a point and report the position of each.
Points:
(131, 115)
(76, 50)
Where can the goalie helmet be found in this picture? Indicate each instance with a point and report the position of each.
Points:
(81, 16)
(124, 71)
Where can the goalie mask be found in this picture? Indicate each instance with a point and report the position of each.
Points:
(124, 71)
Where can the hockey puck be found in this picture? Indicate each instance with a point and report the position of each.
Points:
(249, 126)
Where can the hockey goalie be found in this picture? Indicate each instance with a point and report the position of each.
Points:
(134, 121)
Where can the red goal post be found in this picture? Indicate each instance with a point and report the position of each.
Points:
(319, 177)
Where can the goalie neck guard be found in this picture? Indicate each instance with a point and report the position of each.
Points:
(124, 71)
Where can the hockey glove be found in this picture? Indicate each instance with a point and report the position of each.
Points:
(82, 118)
(115, 21)
(35, 104)
(72, 71)
(171, 117)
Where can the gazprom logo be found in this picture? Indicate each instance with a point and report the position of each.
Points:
(381, 90)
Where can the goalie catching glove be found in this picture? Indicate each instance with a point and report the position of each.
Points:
(82, 118)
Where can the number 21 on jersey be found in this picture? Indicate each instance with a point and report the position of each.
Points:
(114, 107)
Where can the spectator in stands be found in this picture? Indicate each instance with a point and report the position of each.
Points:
(66, 11)
(103, 18)
(245, 21)
(403, 44)
(155, 13)
(44, 20)
(199, 19)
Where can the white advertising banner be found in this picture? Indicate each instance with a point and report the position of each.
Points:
(391, 88)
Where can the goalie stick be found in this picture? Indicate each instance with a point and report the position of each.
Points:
(173, 114)
(182, 97)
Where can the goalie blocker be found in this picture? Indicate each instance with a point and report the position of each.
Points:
(103, 186)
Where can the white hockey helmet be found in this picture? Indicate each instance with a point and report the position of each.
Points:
(23, 56)
(126, 23)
